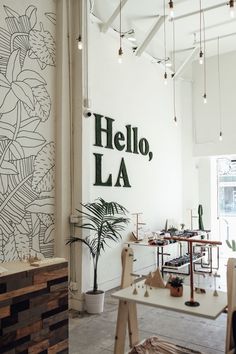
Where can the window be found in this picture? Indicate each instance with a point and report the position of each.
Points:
(226, 187)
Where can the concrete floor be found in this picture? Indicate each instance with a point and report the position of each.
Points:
(94, 334)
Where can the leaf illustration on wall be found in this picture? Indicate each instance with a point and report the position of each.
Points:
(19, 27)
(47, 219)
(8, 168)
(5, 49)
(16, 150)
(44, 205)
(49, 234)
(35, 232)
(42, 47)
(30, 124)
(19, 85)
(18, 196)
(3, 184)
(44, 169)
(10, 250)
(30, 139)
(7, 130)
(51, 17)
(22, 242)
(42, 105)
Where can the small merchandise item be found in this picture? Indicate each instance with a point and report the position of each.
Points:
(154, 345)
(177, 262)
(176, 286)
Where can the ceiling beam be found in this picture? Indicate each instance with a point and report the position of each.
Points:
(220, 37)
(105, 26)
(150, 35)
(203, 10)
(186, 62)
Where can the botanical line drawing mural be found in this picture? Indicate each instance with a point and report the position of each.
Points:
(27, 156)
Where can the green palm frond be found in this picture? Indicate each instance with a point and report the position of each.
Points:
(105, 221)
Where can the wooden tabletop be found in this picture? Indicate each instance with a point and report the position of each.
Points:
(210, 306)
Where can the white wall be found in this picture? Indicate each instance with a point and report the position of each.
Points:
(206, 116)
(134, 93)
(207, 127)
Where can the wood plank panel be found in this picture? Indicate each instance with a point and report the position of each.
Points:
(34, 318)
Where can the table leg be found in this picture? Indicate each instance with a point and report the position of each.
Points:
(121, 325)
(127, 314)
(133, 325)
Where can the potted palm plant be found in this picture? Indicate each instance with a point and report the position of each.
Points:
(105, 222)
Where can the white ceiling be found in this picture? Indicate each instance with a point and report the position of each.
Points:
(141, 15)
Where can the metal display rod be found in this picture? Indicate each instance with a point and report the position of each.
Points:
(190, 241)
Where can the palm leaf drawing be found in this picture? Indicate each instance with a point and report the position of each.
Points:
(18, 196)
(5, 49)
(44, 171)
(42, 104)
(42, 47)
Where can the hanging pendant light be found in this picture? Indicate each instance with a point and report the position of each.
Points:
(231, 8)
(219, 90)
(120, 51)
(205, 67)
(173, 76)
(164, 27)
(79, 39)
(171, 7)
(80, 43)
(201, 52)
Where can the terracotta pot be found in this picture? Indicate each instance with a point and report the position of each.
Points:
(176, 292)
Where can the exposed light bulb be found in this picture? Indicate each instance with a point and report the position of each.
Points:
(165, 78)
(205, 98)
(80, 43)
(201, 57)
(221, 136)
(231, 8)
(120, 53)
(175, 121)
(168, 64)
(171, 6)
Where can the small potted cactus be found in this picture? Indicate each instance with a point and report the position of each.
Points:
(176, 286)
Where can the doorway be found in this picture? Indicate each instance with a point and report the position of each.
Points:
(226, 202)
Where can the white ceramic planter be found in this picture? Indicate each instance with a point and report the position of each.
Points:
(94, 302)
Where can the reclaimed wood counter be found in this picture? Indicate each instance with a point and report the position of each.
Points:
(34, 308)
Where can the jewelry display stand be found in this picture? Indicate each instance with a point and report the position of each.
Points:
(191, 241)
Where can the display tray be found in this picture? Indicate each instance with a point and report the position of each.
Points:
(183, 265)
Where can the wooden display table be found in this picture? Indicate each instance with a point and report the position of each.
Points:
(34, 308)
(210, 306)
